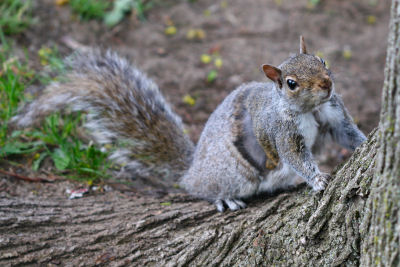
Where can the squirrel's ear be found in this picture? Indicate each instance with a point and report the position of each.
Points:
(273, 73)
(303, 49)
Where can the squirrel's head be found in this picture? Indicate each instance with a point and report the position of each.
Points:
(302, 79)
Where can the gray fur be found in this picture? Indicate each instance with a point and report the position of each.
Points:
(271, 117)
(259, 139)
(124, 107)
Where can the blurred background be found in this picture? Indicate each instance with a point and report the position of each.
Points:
(198, 51)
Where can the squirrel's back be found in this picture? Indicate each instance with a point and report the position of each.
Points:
(229, 132)
(124, 108)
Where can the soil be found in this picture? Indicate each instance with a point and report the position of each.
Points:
(246, 34)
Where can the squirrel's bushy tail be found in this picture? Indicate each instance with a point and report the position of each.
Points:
(124, 107)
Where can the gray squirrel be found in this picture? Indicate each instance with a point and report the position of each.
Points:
(259, 139)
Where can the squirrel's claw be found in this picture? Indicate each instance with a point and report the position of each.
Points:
(240, 203)
(233, 204)
(220, 206)
(321, 181)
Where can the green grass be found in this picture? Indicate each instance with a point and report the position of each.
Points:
(122, 7)
(68, 153)
(15, 15)
(90, 9)
(57, 137)
(141, 7)
(14, 76)
(111, 14)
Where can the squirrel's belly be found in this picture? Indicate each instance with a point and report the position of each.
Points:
(308, 128)
(280, 178)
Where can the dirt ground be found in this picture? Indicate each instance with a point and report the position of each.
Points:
(350, 35)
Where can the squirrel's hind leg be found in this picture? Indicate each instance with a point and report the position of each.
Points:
(220, 205)
(233, 204)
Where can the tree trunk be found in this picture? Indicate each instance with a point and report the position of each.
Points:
(380, 246)
(355, 221)
(298, 227)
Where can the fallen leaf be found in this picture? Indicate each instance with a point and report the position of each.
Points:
(61, 2)
(170, 30)
(371, 19)
(212, 75)
(191, 34)
(188, 99)
(218, 63)
(347, 54)
(205, 58)
(200, 34)
(214, 50)
(168, 21)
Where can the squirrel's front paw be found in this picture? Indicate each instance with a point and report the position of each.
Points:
(320, 181)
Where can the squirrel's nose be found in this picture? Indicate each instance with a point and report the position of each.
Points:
(326, 84)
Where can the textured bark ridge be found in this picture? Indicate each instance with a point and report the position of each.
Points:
(298, 227)
(354, 222)
(382, 221)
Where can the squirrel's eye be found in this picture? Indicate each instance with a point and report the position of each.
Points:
(291, 83)
(323, 61)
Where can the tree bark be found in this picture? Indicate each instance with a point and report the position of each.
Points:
(354, 222)
(297, 227)
(381, 245)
